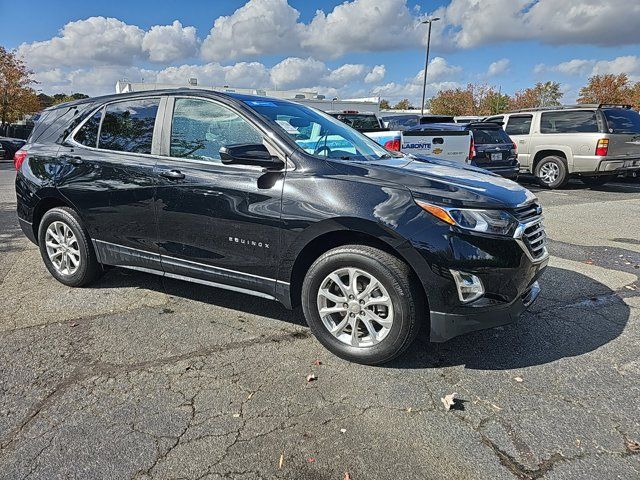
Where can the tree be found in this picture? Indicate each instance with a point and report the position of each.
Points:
(17, 98)
(478, 100)
(545, 94)
(607, 88)
(384, 104)
(633, 96)
(403, 104)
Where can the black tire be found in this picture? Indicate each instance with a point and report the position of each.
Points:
(398, 280)
(88, 269)
(556, 163)
(598, 181)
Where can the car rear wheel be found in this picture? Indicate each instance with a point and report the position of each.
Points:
(66, 249)
(551, 172)
(597, 181)
(362, 304)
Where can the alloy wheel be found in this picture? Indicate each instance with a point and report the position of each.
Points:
(355, 307)
(549, 172)
(62, 248)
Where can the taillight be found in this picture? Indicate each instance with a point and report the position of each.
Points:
(18, 158)
(602, 148)
(393, 145)
(515, 148)
(472, 149)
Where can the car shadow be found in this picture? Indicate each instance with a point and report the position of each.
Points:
(574, 315)
(619, 185)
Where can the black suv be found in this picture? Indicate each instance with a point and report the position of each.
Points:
(278, 200)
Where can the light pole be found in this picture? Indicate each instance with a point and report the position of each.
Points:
(426, 63)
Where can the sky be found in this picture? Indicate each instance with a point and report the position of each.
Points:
(352, 48)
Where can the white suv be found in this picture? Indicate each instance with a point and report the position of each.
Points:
(594, 142)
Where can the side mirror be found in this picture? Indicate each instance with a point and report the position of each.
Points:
(250, 154)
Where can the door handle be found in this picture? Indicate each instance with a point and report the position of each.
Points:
(172, 174)
(521, 141)
(73, 159)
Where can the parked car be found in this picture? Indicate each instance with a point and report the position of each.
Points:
(275, 199)
(592, 142)
(405, 121)
(369, 124)
(467, 119)
(480, 144)
(10, 146)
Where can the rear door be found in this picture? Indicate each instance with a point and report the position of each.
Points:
(217, 223)
(624, 133)
(108, 176)
(518, 127)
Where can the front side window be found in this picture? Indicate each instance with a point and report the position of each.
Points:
(577, 121)
(200, 128)
(317, 133)
(128, 126)
(88, 134)
(519, 125)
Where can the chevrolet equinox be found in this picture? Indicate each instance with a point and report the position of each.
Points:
(275, 199)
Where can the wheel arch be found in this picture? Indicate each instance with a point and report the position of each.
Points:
(552, 151)
(45, 204)
(367, 233)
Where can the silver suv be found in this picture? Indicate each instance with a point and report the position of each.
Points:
(593, 142)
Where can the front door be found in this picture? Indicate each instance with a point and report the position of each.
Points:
(518, 127)
(110, 179)
(218, 223)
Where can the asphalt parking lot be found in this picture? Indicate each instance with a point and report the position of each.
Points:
(140, 377)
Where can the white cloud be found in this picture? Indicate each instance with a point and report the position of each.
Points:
(297, 72)
(94, 41)
(629, 64)
(345, 74)
(376, 74)
(258, 27)
(591, 22)
(167, 43)
(499, 67)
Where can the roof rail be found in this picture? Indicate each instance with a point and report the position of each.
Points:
(569, 107)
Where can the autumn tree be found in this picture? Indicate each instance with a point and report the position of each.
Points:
(479, 100)
(17, 98)
(384, 104)
(607, 88)
(633, 96)
(545, 94)
(403, 104)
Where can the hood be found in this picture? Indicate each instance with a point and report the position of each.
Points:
(450, 183)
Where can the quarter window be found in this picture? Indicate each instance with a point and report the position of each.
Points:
(577, 121)
(200, 128)
(519, 125)
(128, 126)
(88, 134)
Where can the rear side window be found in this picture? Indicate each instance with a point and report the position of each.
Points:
(578, 121)
(200, 128)
(519, 125)
(88, 134)
(128, 126)
(621, 120)
(490, 136)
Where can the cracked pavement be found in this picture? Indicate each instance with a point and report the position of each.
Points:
(138, 377)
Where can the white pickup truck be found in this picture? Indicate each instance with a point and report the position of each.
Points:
(451, 144)
(370, 124)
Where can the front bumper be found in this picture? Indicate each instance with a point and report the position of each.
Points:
(445, 326)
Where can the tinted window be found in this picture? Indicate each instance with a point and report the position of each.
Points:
(579, 121)
(621, 120)
(128, 126)
(520, 125)
(495, 119)
(200, 128)
(359, 122)
(401, 122)
(88, 134)
(489, 136)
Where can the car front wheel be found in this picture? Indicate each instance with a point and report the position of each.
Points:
(362, 304)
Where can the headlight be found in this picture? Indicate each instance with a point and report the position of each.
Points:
(496, 222)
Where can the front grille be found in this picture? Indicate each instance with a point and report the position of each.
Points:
(527, 212)
(533, 236)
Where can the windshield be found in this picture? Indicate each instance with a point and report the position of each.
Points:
(490, 136)
(622, 120)
(401, 122)
(358, 121)
(318, 133)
